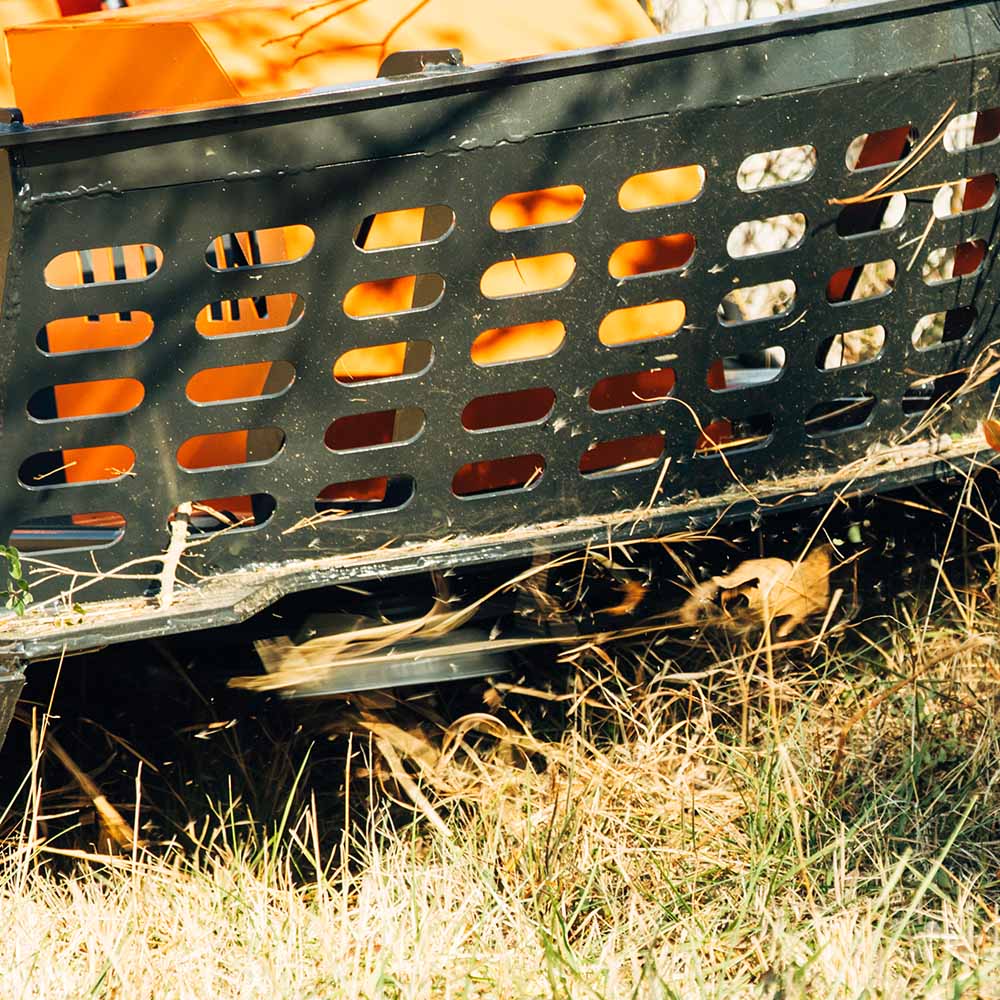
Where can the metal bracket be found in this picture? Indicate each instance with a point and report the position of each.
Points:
(421, 61)
(11, 683)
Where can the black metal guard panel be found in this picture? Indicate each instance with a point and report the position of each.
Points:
(779, 341)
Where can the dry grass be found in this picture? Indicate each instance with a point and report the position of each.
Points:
(724, 819)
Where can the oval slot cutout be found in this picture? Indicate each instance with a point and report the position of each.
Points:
(530, 209)
(242, 317)
(103, 332)
(229, 514)
(846, 350)
(879, 149)
(870, 217)
(402, 359)
(394, 296)
(76, 467)
(926, 393)
(508, 409)
(863, 281)
(646, 388)
(761, 237)
(498, 475)
(364, 496)
(656, 188)
(622, 455)
(846, 413)
(103, 265)
(384, 429)
(757, 302)
(525, 342)
(240, 383)
(977, 128)
(654, 256)
(725, 436)
(405, 227)
(938, 329)
(640, 324)
(69, 533)
(230, 449)
(527, 275)
(82, 400)
(970, 195)
(776, 168)
(951, 263)
(747, 371)
(259, 247)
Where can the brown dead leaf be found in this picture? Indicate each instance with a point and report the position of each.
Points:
(772, 589)
(633, 593)
(492, 698)
(991, 431)
(728, 598)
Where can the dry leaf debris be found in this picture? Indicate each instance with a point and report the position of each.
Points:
(761, 591)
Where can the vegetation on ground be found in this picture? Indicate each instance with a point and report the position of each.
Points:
(664, 813)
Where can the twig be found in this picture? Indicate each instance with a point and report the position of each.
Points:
(834, 601)
(916, 190)
(794, 322)
(922, 149)
(659, 483)
(921, 242)
(716, 449)
(409, 786)
(172, 558)
(52, 472)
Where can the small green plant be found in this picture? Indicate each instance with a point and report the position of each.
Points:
(17, 591)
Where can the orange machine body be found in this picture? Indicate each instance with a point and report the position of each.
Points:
(159, 54)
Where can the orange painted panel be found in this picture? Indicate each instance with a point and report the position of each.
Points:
(162, 54)
(92, 399)
(232, 382)
(360, 489)
(115, 68)
(362, 363)
(518, 343)
(95, 465)
(256, 43)
(209, 451)
(546, 207)
(384, 297)
(395, 229)
(100, 333)
(240, 316)
(670, 186)
(20, 12)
